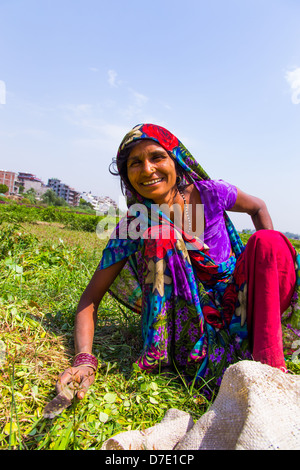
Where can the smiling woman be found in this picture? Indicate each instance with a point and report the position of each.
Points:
(204, 303)
(151, 172)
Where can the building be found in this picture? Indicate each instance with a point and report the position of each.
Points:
(100, 204)
(71, 196)
(10, 179)
(29, 181)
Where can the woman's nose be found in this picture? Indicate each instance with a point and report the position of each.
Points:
(148, 167)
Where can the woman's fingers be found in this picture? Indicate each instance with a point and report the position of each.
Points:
(78, 378)
(86, 381)
(64, 379)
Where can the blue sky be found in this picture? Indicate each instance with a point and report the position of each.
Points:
(223, 76)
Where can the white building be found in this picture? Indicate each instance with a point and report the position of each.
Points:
(100, 204)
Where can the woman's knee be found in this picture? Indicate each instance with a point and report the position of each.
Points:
(265, 236)
(272, 241)
(268, 238)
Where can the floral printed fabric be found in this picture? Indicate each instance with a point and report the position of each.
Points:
(185, 322)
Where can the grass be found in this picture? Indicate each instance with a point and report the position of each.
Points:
(44, 268)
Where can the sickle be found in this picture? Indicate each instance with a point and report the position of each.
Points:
(62, 401)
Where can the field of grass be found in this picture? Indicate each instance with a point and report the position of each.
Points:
(44, 268)
(43, 271)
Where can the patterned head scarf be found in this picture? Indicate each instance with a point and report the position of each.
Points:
(192, 170)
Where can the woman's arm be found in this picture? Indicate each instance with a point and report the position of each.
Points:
(86, 315)
(85, 322)
(256, 208)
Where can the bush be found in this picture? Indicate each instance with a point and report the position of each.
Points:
(18, 213)
(51, 198)
(86, 223)
(3, 188)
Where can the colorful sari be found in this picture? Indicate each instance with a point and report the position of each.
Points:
(191, 308)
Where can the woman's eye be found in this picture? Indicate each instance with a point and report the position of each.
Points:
(158, 157)
(133, 163)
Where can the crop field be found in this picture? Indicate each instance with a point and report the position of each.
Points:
(45, 265)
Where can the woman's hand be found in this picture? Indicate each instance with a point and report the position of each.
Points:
(78, 379)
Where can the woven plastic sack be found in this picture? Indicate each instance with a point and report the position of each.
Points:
(164, 435)
(257, 408)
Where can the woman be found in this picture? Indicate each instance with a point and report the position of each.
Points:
(204, 303)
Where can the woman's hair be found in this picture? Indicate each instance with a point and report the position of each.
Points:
(120, 169)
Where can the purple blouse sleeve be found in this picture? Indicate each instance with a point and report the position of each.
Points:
(227, 194)
(217, 196)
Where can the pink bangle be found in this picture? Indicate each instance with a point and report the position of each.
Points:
(85, 359)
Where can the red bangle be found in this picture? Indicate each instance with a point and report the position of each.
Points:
(85, 359)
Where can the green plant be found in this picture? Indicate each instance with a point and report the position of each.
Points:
(3, 188)
(68, 217)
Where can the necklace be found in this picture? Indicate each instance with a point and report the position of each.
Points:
(186, 210)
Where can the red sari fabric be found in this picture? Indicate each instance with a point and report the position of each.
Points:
(268, 266)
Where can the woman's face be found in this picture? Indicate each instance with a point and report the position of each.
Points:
(151, 172)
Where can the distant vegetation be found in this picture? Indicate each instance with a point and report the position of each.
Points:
(3, 188)
(50, 209)
(294, 236)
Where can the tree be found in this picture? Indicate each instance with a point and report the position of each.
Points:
(3, 188)
(52, 199)
(31, 195)
(85, 204)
